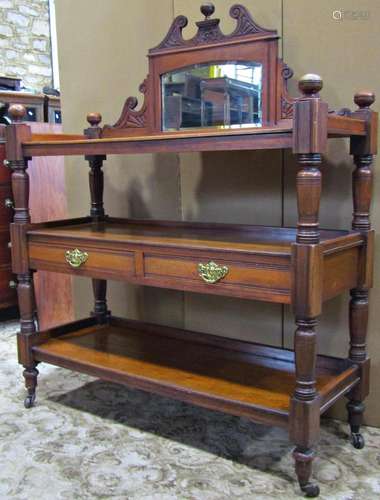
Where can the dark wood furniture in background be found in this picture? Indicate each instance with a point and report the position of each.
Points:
(8, 297)
(53, 292)
(230, 101)
(39, 107)
(33, 103)
(10, 83)
(302, 266)
(182, 103)
(48, 202)
(52, 110)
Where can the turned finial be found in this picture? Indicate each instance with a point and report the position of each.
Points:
(364, 98)
(94, 119)
(17, 112)
(310, 84)
(207, 9)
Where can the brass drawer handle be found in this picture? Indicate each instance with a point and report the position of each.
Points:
(76, 257)
(8, 203)
(211, 272)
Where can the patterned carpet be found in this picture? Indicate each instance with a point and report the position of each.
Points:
(88, 439)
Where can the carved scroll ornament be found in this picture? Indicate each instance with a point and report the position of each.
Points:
(130, 118)
(286, 100)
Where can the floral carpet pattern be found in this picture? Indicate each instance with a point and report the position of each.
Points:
(88, 439)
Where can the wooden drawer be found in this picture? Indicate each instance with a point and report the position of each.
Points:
(100, 263)
(5, 173)
(6, 214)
(253, 277)
(7, 295)
(5, 252)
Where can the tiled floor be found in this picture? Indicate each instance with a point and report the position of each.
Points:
(87, 439)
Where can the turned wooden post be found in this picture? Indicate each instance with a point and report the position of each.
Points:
(310, 139)
(309, 184)
(16, 133)
(362, 148)
(96, 183)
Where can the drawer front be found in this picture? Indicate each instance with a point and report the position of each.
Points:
(5, 173)
(8, 296)
(256, 278)
(6, 213)
(5, 252)
(105, 263)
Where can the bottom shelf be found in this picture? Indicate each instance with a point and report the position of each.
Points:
(233, 376)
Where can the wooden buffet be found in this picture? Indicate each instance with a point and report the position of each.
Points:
(302, 266)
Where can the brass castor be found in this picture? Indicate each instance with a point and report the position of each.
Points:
(29, 400)
(357, 440)
(311, 490)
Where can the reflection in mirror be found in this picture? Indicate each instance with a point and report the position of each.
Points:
(225, 95)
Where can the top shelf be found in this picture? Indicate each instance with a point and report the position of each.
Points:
(279, 136)
(212, 92)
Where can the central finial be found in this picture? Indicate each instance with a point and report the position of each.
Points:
(207, 9)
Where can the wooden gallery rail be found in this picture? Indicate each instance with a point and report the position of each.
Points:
(246, 107)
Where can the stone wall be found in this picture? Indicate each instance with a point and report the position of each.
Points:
(25, 42)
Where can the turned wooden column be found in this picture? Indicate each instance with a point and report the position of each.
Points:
(309, 185)
(362, 148)
(16, 133)
(96, 183)
(310, 138)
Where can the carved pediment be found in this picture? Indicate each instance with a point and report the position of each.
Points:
(209, 30)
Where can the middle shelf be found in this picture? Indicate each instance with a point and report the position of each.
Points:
(236, 260)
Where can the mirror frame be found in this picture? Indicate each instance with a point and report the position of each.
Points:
(248, 42)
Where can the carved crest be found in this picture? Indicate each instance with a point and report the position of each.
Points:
(209, 30)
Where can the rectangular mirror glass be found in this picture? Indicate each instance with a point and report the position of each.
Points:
(225, 95)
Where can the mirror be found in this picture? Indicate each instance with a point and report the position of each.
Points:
(225, 95)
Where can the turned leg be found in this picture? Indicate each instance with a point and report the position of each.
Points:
(96, 184)
(358, 354)
(304, 461)
(306, 297)
(355, 411)
(358, 314)
(30, 376)
(27, 322)
(305, 418)
(16, 133)
(100, 308)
